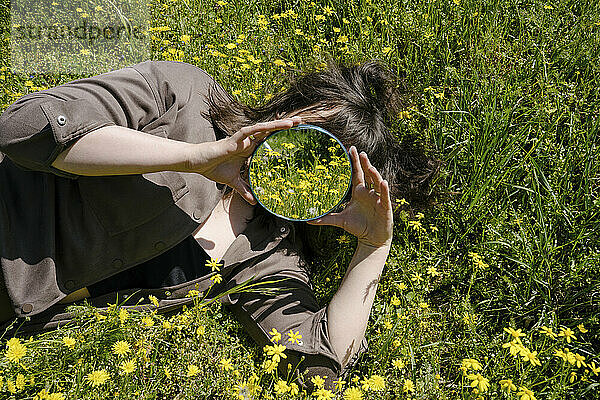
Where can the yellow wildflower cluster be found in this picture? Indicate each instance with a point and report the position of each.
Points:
(15, 350)
(477, 260)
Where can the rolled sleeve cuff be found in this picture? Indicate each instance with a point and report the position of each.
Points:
(315, 340)
(34, 135)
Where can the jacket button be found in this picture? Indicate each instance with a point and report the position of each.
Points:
(159, 245)
(117, 263)
(283, 229)
(27, 308)
(197, 214)
(70, 284)
(61, 119)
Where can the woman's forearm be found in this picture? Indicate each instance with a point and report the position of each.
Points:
(118, 150)
(349, 309)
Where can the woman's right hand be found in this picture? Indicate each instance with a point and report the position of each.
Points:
(221, 161)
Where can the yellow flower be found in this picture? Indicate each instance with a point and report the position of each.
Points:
(581, 328)
(294, 337)
(167, 372)
(97, 378)
(328, 10)
(231, 46)
(123, 315)
(269, 366)
(185, 38)
(431, 270)
(276, 351)
(11, 386)
(595, 370)
(219, 21)
(148, 321)
(275, 336)
(192, 370)
(514, 333)
(567, 333)
(353, 393)
(573, 377)
(20, 382)
(338, 384)
(469, 318)
(408, 386)
(79, 9)
(214, 264)
(398, 364)
(336, 30)
(128, 366)
(395, 300)
(281, 387)
(69, 342)
(15, 351)
(217, 278)
(55, 396)
(120, 348)
(153, 300)
(279, 62)
(548, 332)
(319, 17)
(386, 50)
(201, 330)
(579, 360)
(225, 364)
(531, 357)
(323, 394)
(480, 382)
(514, 346)
(294, 389)
(377, 382)
(342, 39)
(471, 363)
(525, 394)
(508, 385)
(222, 3)
(317, 381)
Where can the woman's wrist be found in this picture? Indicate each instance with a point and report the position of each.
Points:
(198, 157)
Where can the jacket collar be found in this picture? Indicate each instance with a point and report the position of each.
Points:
(255, 240)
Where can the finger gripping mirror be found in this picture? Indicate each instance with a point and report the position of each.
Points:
(301, 173)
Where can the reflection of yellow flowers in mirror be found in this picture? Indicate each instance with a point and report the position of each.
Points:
(300, 174)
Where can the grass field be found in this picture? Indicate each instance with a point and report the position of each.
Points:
(494, 293)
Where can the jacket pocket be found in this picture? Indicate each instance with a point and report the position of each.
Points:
(124, 202)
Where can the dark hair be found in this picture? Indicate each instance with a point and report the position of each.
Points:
(365, 101)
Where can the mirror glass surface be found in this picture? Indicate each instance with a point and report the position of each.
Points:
(300, 173)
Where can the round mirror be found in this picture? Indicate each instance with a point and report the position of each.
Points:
(301, 173)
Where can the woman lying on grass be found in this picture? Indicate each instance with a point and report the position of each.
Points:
(136, 184)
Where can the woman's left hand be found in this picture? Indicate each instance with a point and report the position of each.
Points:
(368, 215)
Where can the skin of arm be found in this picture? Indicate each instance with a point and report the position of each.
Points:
(118, 150)
(349, 309)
